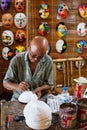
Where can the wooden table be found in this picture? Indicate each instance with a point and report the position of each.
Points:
(14, 108)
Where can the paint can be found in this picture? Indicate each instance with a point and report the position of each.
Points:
(82, 109)
(68, 115)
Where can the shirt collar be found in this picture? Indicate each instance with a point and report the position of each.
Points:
(26, 57)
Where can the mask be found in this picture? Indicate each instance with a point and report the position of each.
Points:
(7, 20)
(19, 49)
(83, 11)
(81, 46)
(82, 29)
(62, 11)
(20, 20)
(19, 5)
(44, 11)
(5, 5)
(20, 35)
(7, 53)
(60, 66)
(81, 62)
(61, 29)
(43, 28)
(61, 46)
(7, 38)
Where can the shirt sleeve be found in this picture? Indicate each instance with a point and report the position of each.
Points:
(11, 74)
(49, 73)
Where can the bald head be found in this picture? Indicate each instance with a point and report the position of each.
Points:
(39, 44)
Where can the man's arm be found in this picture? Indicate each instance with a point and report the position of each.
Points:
(22, 86)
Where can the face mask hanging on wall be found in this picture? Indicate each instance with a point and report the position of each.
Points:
(7, 20)
(20, 20)
(19, 5)
(7, 38)
(7, 53)
(4, 4)
(81, 46)
(20, 35)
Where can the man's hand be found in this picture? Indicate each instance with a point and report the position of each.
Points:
(37, 91)
(23, 86)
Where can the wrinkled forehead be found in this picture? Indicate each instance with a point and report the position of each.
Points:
(36, 49)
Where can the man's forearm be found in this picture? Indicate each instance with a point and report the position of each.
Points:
(10, 86)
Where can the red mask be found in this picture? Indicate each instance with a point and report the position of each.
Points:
(20, 35)
(19, 5)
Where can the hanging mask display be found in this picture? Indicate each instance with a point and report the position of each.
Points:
(20, 35)
(19, 5)
(20, 20)
(81, 63)
(81, 46)
(7, 53)
(44, 11)
(62, 11)
(7, 20)
(4, 4)
(60, 66)
(61, 46)
(82, 29)
(83, 10)
(43, 28)
(61, 29)
(19, 49)
(7, 38)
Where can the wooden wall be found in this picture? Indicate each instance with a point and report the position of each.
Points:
(33, 20)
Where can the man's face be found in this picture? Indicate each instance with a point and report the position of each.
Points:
(34, 54)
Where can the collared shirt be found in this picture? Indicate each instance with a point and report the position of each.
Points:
(19, 70)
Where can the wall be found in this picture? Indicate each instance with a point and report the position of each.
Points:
(33, 19)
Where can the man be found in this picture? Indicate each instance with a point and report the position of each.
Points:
(30, 70)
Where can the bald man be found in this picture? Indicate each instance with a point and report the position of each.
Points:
(31, 70)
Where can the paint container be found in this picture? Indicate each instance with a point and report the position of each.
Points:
(68, 115)
(82, 109)
(79, 90)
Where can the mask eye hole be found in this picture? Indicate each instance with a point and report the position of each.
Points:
(16, 3)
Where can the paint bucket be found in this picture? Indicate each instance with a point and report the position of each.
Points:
(82, 109)
(68, 115)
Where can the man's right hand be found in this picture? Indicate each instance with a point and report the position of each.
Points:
(23, 86)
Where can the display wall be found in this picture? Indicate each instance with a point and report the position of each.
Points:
(49, 26)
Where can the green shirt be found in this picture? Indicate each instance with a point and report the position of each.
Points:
(19, 70)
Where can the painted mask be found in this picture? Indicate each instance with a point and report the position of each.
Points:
(62, 11)
(44, 11)
(81, 62)
(61, 29)
(20, 20)
(4, 5)
(60, 66)
(82, 29)
(43, 28)
(20, 35)
(7, 38)
(81, 46)
(19, 5)
(7, 53)
(7, 20)
(19, 49)
(83, 11)
(61, 46)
